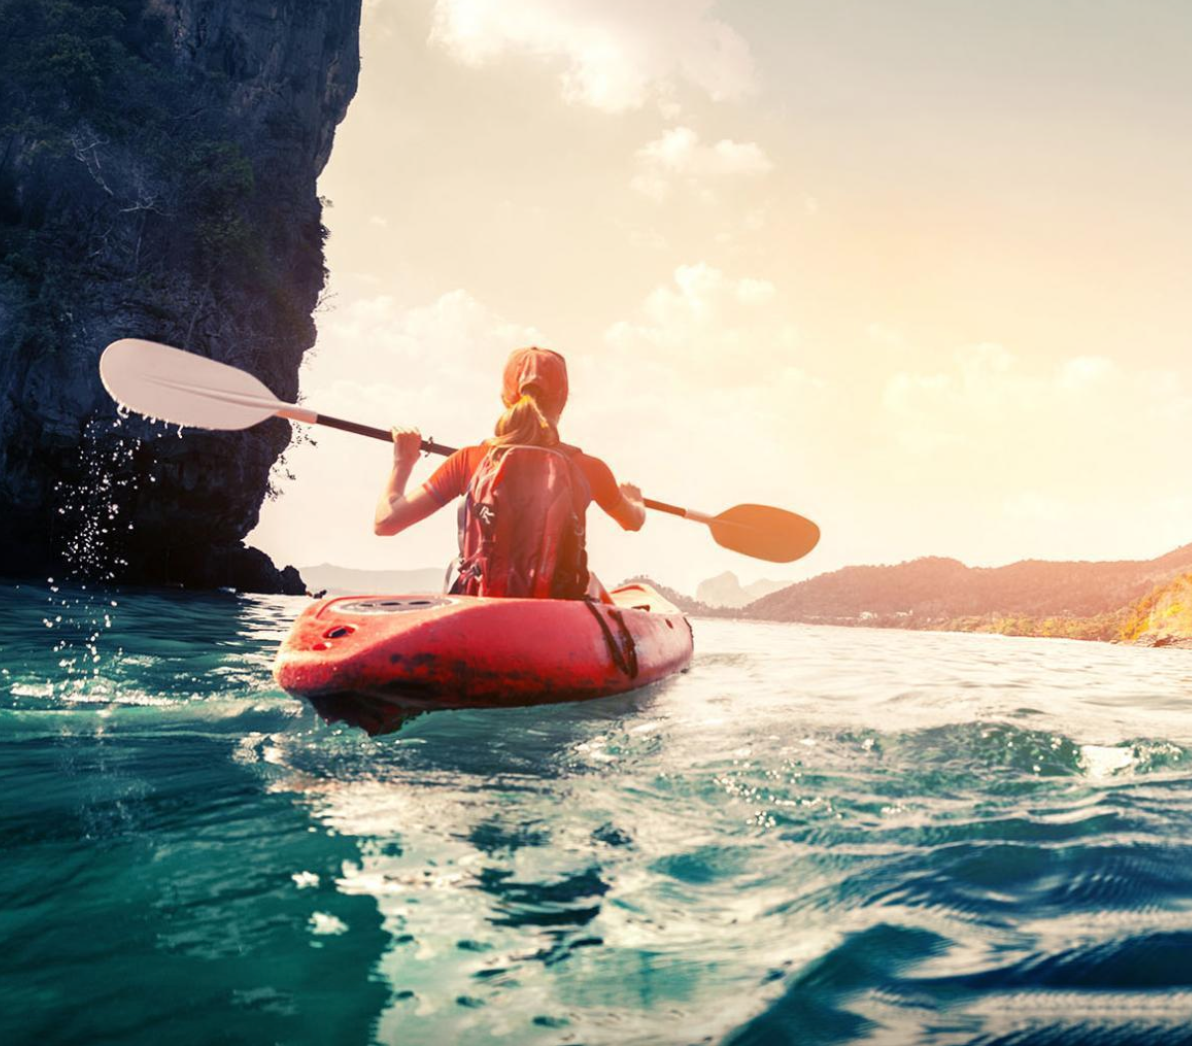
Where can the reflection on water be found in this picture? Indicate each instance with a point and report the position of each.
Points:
(815, 836)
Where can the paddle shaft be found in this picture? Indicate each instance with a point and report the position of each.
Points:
(675, 510)
(428, 445)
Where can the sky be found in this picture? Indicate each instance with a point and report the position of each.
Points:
(918, 270)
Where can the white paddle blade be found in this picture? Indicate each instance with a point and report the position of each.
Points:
(183, 388)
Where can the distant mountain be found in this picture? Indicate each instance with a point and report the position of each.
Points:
(1080, 599)
(726, 590)
(344, 581)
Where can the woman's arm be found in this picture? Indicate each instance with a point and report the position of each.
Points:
(396, 510)
(623, 503)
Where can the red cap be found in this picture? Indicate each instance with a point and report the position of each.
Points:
(541, 368)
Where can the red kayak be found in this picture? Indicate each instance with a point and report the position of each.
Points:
(418, 652)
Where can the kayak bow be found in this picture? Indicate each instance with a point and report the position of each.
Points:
(420, 651)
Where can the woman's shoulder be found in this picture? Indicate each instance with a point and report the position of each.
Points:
(589, 460)
(576, 452)
(598, 473)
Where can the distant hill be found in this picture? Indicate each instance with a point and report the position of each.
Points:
(726, 590)
(1080, 599)
(344, 581)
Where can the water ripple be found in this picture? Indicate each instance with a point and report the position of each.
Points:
(815, 836)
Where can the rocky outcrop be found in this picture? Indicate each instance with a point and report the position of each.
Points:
(686, 604)
(726, 590)
(158, 166)
(1163, 617)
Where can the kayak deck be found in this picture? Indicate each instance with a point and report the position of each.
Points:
(423, 651)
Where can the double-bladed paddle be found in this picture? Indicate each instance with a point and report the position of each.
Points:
(185, 389)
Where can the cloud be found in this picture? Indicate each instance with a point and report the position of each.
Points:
(1072, 458)
(710, 330)
(1060, 427)
(985, 397)
(754, 292)
(615, 55)
(678, 156)
(1084, 372)
(412, 355)
(986, 384)
(883, 335)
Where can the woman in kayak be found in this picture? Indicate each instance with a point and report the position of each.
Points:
(526, 492)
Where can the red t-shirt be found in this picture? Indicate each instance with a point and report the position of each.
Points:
(450, 480)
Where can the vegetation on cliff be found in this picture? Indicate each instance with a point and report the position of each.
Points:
(158, 167)
(97, 112)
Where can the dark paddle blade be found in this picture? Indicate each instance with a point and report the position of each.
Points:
(765, 532)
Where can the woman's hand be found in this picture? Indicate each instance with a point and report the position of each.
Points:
(633, 497)
(395, 511)
(407, 444)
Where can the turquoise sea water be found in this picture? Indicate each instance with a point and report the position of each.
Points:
(814, 836)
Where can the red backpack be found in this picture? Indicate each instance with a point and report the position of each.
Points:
(521, 526)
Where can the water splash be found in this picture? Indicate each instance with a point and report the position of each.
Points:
(94, 513)
(96, 509)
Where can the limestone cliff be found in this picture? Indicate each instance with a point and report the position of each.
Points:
(158, 166)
